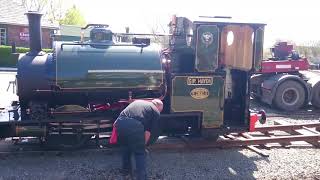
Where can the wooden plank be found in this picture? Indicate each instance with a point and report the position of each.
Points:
(265, 146)
(251, 147)
(246, 135)
(298, 130)
(231, 136)
(311, 130)
(288, 127)
(255, 141)
(258, 151)
(282, 122)
(269, 133)
(308, 131)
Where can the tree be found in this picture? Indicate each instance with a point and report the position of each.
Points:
(157, 27)
(73, 17)
(311, 50)
(35, 5)
(53, 10)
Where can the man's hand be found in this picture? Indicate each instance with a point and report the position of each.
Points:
(147, 136)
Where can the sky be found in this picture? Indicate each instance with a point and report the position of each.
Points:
(297, 21)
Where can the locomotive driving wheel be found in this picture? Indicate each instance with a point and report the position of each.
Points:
(64, 136)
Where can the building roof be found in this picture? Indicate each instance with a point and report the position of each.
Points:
(11, 12)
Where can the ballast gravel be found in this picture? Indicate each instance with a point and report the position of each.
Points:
(293, 163)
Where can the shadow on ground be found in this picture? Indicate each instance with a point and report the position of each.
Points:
(205, 164)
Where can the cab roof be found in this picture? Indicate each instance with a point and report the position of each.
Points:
(222, 20)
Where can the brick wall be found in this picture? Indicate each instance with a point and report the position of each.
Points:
(19, 35)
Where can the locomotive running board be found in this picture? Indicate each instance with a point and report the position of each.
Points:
(281, 133)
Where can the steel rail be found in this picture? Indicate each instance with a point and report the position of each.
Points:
(286, 127)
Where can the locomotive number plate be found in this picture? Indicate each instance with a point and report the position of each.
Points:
(199, 80)
(200, 93)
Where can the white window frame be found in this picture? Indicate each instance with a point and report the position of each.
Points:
(3, 36)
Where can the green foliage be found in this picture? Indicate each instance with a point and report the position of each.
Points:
(310, 51)
(73, 17)
(7, 59)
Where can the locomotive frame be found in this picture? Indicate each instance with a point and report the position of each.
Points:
(201, 96)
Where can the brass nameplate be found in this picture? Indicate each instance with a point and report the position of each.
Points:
(199, 80)
(199, 93)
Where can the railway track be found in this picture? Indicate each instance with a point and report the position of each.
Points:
(298, 115)
(281, 134)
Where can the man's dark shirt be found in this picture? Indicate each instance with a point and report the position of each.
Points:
(143, 111)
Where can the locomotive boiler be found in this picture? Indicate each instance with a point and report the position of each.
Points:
(99, 71)
(75, 93)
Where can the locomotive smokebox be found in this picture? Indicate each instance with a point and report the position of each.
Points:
(35, 35)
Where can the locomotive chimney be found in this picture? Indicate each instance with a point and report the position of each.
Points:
(35, 35)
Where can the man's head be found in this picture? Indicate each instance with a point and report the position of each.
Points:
(158, 103)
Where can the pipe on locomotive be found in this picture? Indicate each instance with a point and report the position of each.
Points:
(35, 34)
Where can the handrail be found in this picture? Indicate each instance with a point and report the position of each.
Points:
(99, 44)
(143, 34)
(95, 25)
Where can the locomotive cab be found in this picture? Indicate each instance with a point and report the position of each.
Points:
(212, 59)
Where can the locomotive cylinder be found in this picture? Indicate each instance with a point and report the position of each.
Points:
(23, 131)
(12, 130)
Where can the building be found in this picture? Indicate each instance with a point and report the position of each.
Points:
(71, 33)
(14, 26)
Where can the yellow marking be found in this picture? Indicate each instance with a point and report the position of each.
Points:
(199, 93)
(213, 125)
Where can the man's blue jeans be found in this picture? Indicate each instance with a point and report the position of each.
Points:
(140, 159)
(131, 139)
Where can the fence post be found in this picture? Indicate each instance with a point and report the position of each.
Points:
(13, 48)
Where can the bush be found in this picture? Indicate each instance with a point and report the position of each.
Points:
(7, 59)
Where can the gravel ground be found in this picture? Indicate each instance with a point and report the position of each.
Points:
(294, 163)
